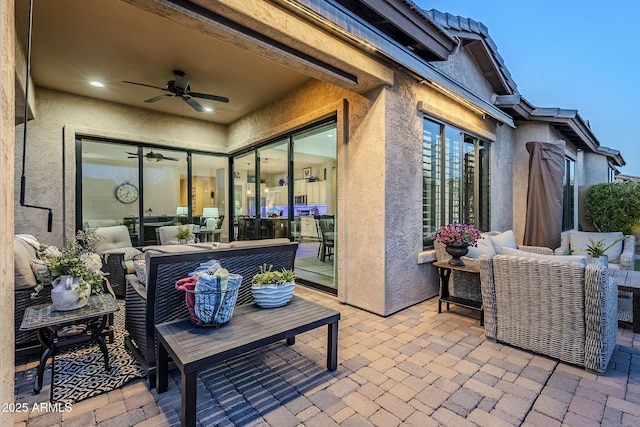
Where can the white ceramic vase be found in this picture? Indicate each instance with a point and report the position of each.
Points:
(271, 296)
(65, 294)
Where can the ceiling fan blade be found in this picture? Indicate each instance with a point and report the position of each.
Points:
(146, 85)
(157, 98)
(208, 96)
(132, 154)
(170, 158)
(193, 103)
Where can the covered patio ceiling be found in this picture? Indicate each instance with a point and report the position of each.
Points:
(144, 41)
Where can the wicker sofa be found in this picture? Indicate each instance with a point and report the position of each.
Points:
(24, 250)
(467, 285)
(158, 301)
(559, 306)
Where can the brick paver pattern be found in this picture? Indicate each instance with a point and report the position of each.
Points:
(413, 368)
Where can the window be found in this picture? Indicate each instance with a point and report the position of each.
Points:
(145, 188)
(455, 176)
(567, 195)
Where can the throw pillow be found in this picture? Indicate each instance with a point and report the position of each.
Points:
(504, 240)
(560, 258)
(23, 273)
(484, 247)
(141, 270)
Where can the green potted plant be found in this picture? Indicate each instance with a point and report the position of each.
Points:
(597, 249)
(272, 288)
(73, 271)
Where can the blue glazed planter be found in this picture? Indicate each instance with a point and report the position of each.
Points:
(271, 296)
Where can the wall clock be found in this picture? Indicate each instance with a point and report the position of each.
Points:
(127, 193)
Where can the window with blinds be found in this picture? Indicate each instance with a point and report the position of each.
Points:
(456, 178)
(568, 192)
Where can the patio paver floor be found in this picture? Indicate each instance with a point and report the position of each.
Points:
(413, 368)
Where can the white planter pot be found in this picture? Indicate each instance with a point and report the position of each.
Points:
(65, 295)
(271, 296)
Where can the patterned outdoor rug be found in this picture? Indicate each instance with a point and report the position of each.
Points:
(79, 369)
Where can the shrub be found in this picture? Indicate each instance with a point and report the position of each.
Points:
(614, 206)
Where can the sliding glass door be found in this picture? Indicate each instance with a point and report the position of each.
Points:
(287, 188)
(145, 188)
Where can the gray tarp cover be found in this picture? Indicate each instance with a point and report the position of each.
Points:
(544, 200)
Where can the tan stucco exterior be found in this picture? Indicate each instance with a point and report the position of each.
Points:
(379, 154)
(7, 145)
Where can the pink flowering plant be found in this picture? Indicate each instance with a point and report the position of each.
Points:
(457, 234)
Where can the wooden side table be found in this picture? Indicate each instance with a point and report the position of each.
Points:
(57, 329)
(444, 270)
(629, 281)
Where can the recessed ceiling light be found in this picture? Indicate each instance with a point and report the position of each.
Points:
(330, 135)
(97, 84)
(208, 109)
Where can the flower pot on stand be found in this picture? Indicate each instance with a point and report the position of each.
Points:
(456, 251)
(65, 294)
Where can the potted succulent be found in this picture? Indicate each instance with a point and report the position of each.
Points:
(272, 288)
(597, 249)
(457, 238)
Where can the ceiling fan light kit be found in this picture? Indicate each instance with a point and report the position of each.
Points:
(180, 87)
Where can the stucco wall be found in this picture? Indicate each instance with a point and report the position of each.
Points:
(7, 339)
(463, 68)
(50, 165)
(502, 188)
(379, 187)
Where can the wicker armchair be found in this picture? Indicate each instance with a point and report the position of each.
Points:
(552, 306)
(117, 255)
(467, 285)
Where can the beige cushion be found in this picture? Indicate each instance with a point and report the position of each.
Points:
(504, 240)
(579, 240)
(129, 253)
(23, 253)
(116, 237)
(484, 247)
(168, 233)
(264, 242)
(559, 258)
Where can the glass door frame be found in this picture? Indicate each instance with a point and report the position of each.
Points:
(140, 147)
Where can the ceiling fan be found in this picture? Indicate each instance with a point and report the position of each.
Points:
(180, 87)
(153, 156)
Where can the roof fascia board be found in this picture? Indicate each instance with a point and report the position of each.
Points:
(405, 16)
(478, 48)
(572, 119)
(375, 41)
